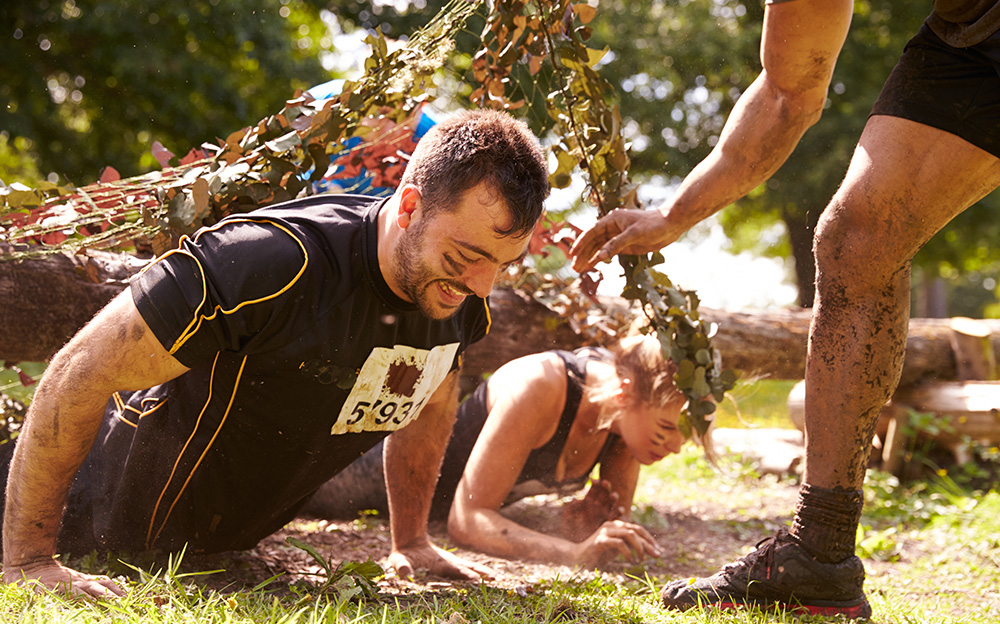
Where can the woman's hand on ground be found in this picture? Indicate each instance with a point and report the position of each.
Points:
(582, 516)
(615, 538)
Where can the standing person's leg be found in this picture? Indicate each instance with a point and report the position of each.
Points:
(905, 182)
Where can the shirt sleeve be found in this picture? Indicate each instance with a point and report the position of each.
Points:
(477, 323)
(229, 287)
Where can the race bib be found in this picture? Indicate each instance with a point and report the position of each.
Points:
(392, 387)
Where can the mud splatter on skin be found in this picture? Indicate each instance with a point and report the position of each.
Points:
(818, 76)
(878, 326)
(857, 343)
(138, 331)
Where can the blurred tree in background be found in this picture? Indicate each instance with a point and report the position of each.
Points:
(682, 65)
(91, 84)
(86, 87)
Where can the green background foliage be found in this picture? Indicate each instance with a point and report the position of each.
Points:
(91, 84)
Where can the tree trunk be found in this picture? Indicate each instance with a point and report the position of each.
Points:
(800, 236)
(44, 302)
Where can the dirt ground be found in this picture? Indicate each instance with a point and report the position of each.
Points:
(698, 532)
(696, 539)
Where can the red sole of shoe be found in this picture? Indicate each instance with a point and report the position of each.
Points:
(854, 612)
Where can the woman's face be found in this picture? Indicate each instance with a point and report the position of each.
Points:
(651, 433)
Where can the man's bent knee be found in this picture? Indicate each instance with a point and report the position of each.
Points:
(852, 250)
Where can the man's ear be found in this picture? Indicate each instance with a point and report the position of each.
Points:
(409, 202)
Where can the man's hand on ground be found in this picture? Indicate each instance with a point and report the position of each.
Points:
(53, 576)
(436, 561)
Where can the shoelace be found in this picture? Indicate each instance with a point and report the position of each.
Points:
(764, 549)
(767, 552)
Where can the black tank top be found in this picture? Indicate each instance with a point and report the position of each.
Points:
(538, 474)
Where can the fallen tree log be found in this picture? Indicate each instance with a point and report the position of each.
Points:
(45, 301)
(760, 343)
(772, 343)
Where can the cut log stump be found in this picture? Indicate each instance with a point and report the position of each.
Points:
(970, 410)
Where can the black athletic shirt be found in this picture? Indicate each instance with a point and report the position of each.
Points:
(964, 23)
(301, 359)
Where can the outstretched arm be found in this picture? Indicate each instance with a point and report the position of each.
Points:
(799, 48)
(115, 351)
(527, 398)
(412, 457)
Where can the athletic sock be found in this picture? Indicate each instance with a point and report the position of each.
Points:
(826, 522)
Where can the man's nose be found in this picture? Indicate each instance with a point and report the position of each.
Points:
(481, 279)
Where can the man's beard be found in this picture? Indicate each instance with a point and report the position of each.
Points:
(413, 275)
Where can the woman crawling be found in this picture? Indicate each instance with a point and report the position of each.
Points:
(540, 424)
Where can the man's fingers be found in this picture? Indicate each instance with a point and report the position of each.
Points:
(111, 586)
(588, 250)
(439, 563)
(468, 571)
(484, 571)
(475, 572)
(94, 587)
(50, 576)
(402, 566)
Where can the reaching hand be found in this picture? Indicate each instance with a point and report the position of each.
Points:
(581, 517)
(53, 576)
(614, 538)
(628, 231)
(436, 561)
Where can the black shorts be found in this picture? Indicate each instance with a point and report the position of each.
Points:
(953, 89)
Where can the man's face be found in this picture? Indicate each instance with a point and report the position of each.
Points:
(451, 254)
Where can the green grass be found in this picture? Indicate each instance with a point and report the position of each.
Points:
(932, 551)
(762, 403)
(931, 548)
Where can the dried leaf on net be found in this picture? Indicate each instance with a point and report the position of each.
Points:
(281, 156)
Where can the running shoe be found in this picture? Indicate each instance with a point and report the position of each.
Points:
(779, 574)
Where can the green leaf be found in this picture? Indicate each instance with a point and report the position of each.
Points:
(312, 553)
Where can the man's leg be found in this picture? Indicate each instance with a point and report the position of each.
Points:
(906, 181)
(357, 488)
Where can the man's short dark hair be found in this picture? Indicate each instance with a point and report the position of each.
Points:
(482, 146)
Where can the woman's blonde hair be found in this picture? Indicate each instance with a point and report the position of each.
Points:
(639, 359)
(650, 378)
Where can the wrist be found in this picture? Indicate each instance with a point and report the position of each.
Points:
(670, 225)
(578, 554)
